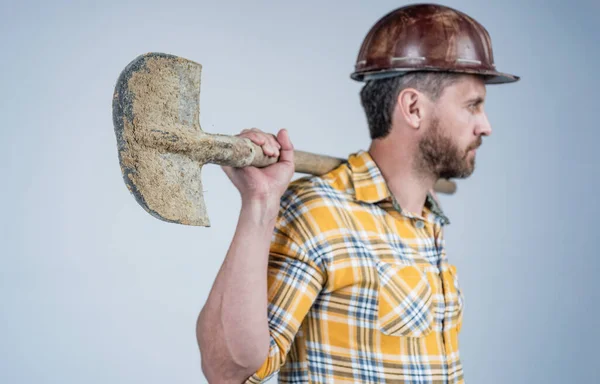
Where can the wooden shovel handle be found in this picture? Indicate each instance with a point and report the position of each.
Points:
(313, 164)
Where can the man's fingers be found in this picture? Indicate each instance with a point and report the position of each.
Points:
(274, 144)
(254, 137)
(266, 141)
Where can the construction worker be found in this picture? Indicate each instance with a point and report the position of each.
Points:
(344, 278)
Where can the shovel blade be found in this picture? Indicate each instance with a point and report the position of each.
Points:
(159, 95)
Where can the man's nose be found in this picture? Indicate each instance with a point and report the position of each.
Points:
(484, 128)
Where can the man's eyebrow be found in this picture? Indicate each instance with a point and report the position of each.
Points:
(476, 100)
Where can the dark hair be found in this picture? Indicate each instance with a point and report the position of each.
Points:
(379, 96)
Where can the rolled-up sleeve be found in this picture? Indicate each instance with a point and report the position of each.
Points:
(294, 281)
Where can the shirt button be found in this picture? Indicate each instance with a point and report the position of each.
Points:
(420, 224)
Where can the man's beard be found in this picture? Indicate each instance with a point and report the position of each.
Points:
(440, 156)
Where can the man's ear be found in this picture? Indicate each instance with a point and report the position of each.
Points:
(411, 107)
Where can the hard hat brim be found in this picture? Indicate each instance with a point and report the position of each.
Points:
(490, 76)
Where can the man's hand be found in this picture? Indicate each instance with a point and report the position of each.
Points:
(268, 183)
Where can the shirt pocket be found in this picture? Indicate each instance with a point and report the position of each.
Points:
(454, 299)
(405, 299)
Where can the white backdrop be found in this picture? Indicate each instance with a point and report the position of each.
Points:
(95, 290)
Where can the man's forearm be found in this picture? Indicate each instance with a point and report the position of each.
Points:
(232, 330)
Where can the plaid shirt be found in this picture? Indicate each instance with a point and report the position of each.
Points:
(360, 291)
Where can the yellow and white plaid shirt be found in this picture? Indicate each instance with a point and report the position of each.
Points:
(359, 290)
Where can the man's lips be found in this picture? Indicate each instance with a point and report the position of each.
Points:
(474, 147)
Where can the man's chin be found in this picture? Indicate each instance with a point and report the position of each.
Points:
(457, 174)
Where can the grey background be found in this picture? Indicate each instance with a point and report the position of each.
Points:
(95, 290)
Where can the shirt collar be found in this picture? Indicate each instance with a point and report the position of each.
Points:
(370, 186)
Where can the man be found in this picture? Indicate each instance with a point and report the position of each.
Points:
(359, 288)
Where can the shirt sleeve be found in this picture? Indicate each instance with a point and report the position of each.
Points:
(293, 282)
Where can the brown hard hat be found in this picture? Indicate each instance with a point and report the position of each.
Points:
(427, 37)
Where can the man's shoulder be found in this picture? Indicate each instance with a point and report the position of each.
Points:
(312, 203)
(334, 185)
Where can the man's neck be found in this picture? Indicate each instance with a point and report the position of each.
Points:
(408, 186)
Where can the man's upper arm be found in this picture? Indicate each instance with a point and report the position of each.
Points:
(294, 281)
